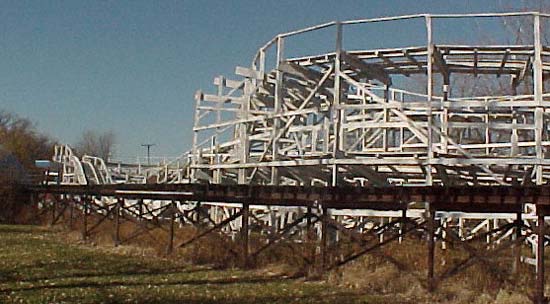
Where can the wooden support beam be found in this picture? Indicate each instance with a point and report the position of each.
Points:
(216, 227)
(402, 224)
(245, 235)
(431, 248)
(85, 207)
(117, 211)
(140, 209)
(475, 62)
(432, 55)
(173, 212)
(273, 239)
(503, 62)
(54, 209)
(487, 260)
(61, 212)
(517, 248)
(71, 214)
(407, 54)
(389, 62)
(324, 241)
(441, 64)
(539, 284)
(369, 70)
(388, 240)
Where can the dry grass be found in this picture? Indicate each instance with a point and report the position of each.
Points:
(476, 284)
(396, 273)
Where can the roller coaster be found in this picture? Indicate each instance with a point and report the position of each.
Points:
(399, 127)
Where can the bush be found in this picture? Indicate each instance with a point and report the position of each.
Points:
(20, 145)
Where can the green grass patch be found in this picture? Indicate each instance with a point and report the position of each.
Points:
(38, 266)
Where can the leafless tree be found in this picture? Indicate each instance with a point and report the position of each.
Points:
(20, 139)
(96, 144)
(20, 145)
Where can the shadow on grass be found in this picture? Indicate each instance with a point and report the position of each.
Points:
(337, 297)
(11, 278)
(22, 229)
(113, 283)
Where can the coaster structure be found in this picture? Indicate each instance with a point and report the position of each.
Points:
(356, 139)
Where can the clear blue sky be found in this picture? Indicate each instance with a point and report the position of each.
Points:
(133, 66)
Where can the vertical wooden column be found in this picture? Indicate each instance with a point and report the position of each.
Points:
(170, 248)
(539, 285)
(429, 92)
(431, 248)
(54, 208)
(538, 90)
(277, 106)
(244, 235)
(117, 221)
(517, 247)
(309, 239)
(337, 112)
(140, 209)
(198, 214)
(402, 224)
(324, 240)
(85, 218)
(71, 213)
(308, 221)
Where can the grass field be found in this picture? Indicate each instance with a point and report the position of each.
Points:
(42, 265)
(38, 266)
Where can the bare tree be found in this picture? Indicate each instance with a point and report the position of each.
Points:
(96, 144)
(20, 139)
(20, 145)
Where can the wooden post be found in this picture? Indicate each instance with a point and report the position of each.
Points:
(517, 247)
(244, 235)
(140, 210)
(71, 213)
(430, 55)
(431, 249)
(538, 90)
(539, 287)
(117, 222)
(324, 240)
(308, 224)
(170, 248)
(402, 224)
(85, 219)
(198, 214)
(54, 207)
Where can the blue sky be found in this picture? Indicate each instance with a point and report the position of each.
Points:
(134, 66)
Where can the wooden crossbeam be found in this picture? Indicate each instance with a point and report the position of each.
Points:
(376, 246)
(370, 70)
(214, 228)
(284, 232)
(389, 62)
(441, 64)
(407, 53)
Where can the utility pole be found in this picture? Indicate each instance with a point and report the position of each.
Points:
(148, 152)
